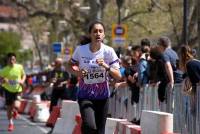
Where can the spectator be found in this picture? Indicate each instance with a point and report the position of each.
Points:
(143, 65)
(157, 72)
(58, 79)
(190, 65)
(170, 59)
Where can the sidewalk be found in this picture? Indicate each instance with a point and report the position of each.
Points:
(22, 125)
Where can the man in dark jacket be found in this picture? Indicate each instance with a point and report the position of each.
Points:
(58, 79)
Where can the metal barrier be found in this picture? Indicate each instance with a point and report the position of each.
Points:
(121, 107)
(186, 109)
(186, 112)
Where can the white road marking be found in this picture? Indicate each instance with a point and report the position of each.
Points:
(34, 124)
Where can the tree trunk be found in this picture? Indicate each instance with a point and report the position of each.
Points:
(35, 39)
(97, 7)
(185, 21)
(198, 21)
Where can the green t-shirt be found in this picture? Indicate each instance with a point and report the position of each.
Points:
(13, 74)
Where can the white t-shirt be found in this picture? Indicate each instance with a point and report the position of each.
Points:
(94, 85)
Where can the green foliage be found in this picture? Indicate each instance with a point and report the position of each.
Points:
(25, 55)
(10, 42)
(152, 19)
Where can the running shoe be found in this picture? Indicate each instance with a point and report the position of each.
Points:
(11, 127)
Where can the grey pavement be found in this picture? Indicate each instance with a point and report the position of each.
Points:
(23, 125)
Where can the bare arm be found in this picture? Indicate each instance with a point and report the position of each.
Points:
(169, 71)
(115, 73)
(121, 84)
(23, 78)
(77, 72)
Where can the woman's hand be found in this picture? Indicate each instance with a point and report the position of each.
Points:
(82, 73)
(102, 63)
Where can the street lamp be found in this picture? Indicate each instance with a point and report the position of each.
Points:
(119, 5)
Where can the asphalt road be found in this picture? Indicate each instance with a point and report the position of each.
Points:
(23, 125)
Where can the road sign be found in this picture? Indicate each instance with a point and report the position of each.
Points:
(57, 47)
(68, 51)
(119, 41)
(119, 33)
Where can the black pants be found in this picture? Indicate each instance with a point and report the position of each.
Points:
(94, 114)
(162, 91)
(57, 93)
(10, 97)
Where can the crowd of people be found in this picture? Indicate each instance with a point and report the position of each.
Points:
(95, 67)
(158, 64)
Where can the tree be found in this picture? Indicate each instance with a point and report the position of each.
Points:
(149, 18)
(97, 9)
(10, 42)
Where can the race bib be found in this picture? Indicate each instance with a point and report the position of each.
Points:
(13, 82)
(95, 77)
(96, 73)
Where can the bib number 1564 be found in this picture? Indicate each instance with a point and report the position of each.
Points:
(94, 75)
(93, 78)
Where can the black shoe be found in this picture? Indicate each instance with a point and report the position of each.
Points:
(138, 122)
(135, 121)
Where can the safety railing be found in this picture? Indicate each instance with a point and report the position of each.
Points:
(186, 109)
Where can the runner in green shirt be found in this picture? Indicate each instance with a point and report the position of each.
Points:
(13, 77)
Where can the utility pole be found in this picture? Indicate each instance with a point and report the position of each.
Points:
(119, 5)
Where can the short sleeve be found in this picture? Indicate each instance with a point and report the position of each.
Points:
(114, 60)
(22, 70)
(2, 72)
(166, 58)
